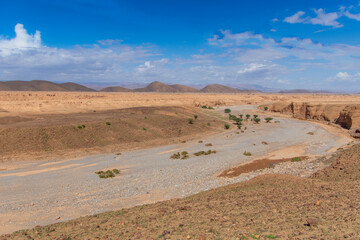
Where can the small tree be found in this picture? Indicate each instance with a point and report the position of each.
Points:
(257, 120)
(195, 116)
(268, 119)
(240, 115)
(191, 121)
(266, 108)
(227, 110)
(227, 126)
(247, 116)
(255, 116)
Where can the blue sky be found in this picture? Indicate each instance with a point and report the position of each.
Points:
(277, 44)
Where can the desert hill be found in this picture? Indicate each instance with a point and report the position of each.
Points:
(115, 89)
(76, 87)
(302, 91)
(156, 87)
(183, 88)
(41, 85)
(217, 88)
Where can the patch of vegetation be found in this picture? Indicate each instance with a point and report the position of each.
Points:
(208, 124)
(296, 159)
(108, 123)
(247, 153)
(182, 155)
(310, 133)
(277, 122)
(196, 116)
(247, 117)
(268, 119)
(191, 121)
(108, 173)
(208, 144)
(205, 152)
(203, 106)
(255, 116)
(257, 120)
(145, 129)
(227, 110)
(266, 108)
(81, 126)
(211, 108)
(227, 126)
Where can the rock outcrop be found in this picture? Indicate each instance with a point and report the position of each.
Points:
(347, 116)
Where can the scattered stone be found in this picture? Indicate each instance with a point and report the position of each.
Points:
(312, 222)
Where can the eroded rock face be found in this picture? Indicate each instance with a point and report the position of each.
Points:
(347, 116)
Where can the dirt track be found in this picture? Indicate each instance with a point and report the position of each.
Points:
(47, 192)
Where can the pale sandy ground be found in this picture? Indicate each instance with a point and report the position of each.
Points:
(45, 192)
(22, 103)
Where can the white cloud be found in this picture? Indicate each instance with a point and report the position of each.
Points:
(322, 18)
(326, 19)
(251, 68)
(346, 77)
(22, 41)
(296, 18)
(352, 16)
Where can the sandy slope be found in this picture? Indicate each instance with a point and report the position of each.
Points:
(47, 192)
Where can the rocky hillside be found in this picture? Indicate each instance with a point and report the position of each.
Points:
(345, 115)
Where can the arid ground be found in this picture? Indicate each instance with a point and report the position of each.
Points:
(53, 143)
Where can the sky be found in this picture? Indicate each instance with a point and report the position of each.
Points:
(275, 44)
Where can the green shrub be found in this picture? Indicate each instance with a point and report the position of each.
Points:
(205, 153)
(208, 124)
(191, 121)
(175, 156)
(184, 155)
(247, 153)
(227, 126)
(247, 116)
(195, 116)
(81, 126)
(268, 119)
(108, 123)
(255, 116)
(210, 107)
(108, 173)
(266, 108)
(296, 159)
(144, 129)
(257, 120)
(227, 110)
(205, 107)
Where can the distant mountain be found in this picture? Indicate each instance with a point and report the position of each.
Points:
(302, 91)
(41, 85)
(115, 89)
(76, 87)
(183, 88)
(217, 88)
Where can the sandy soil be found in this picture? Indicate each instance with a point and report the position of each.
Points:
(22, 103)
(324, 206)
(67, 189)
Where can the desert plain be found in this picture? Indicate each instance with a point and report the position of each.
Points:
(294, 177)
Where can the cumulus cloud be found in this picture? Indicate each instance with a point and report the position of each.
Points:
(229, 58)
(352, 16)
(22, 41)
(296, 18)
(326, 19)
(322, 18)
(346, 77)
